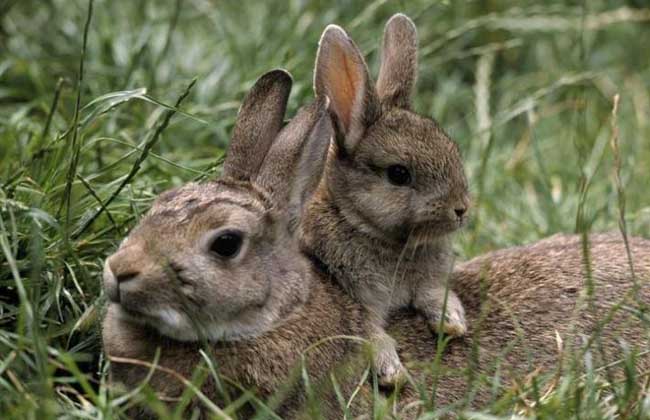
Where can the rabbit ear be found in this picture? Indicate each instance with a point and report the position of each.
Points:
(294, 165)
(258, 122)
(398, 62)
(341, 74)
(313, 158)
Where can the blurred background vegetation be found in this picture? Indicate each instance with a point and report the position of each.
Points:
(526, 88)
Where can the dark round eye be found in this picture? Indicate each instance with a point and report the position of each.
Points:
(227, 244)
(398, 175)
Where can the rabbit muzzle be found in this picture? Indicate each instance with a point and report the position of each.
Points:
(458, 214)
(123, 266)
(128, 271)
(111, 285)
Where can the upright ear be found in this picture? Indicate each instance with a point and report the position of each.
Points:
(313, 159)
(341, 74)
(258, 122)
(399, 56)
(294, 165)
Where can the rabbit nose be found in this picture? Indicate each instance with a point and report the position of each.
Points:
(111, 285)
(461, 206)
(122, 277)
(121, 267)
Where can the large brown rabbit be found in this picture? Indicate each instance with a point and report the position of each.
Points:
(393, 192)
(217, 263)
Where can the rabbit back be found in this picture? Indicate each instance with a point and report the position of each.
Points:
(526, 303)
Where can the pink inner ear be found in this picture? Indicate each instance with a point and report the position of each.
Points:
(345, 79)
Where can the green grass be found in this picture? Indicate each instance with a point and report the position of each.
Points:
(526, 89)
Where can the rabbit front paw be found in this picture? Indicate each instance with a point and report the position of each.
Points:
(390, 371)
(453, 323)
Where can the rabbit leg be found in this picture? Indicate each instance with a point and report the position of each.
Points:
(386, 362)
(430, 302)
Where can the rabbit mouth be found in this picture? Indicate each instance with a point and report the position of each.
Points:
(430, 230)
(134, 316)
(166, 321)
(182, 326)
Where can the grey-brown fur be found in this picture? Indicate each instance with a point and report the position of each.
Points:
(306, 313)
(387, 244)
(167, 286)
(399, 66)
(530, 296)
(266, 365)
(252, 137)
(530, 292)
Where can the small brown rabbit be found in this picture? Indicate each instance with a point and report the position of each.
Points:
(394, 191)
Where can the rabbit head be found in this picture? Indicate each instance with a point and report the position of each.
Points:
(216, 260)
(394, 173)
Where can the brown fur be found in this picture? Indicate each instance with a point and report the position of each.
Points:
(266, 365)
(531, 294)
(168, 288)
(399, 65)
(267, 103)
(388, 244)
(275, 311)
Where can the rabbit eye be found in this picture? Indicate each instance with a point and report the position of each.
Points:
(398, 175)
(227, 244)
